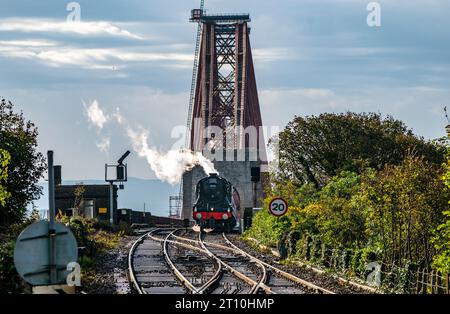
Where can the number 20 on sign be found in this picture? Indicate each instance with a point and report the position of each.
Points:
(278, 207)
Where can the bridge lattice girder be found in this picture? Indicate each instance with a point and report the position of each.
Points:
(226, 93)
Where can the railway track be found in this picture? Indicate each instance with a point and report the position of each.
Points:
(273, 280)
(160, 265)
(164, 262)
(252, 275)
(148, 271)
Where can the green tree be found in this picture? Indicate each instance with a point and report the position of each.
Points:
(19, 138)
(441, 239)
(442, 244)
(4, 162)
(342, 222)
(404, 206)
(315, 149)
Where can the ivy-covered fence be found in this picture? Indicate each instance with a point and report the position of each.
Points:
(365, 265)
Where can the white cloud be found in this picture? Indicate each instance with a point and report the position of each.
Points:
(415, 105)
(272, 95)
(82, 28)
(28, 43)
(274, 54)
(364, 51)
(100, 59)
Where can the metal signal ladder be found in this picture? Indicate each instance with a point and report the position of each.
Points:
(194, 77)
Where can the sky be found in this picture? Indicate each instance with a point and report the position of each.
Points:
(135, 57)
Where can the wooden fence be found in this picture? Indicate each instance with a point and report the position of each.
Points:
(432, 283)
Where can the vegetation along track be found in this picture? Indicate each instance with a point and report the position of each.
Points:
(320, 278)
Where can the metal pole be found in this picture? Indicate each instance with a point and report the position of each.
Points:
(51, 227)
(254, 194)
(111, 203)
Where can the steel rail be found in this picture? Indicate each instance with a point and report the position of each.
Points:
(131, 271)
(184, 281)
(131, 274)
(214, 279)
(232, 248)
(303, 283)
(217, 275)
(295, 279)
(255, 285)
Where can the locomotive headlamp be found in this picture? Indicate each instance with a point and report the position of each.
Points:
(212, 209)
(225, 217)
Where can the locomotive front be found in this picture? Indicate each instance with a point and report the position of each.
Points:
(215, 208)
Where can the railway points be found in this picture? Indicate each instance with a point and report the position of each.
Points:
(202, 263)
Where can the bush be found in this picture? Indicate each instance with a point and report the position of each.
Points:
(387, 216)
(10, 281)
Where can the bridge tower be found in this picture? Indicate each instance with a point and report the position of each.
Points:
(225, 120)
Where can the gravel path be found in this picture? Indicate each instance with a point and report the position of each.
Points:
(109, 274)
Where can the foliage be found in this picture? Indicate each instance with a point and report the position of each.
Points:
(441, 239)
(87, 232)
(315, 149)
(442, 244)
(267, 228)
(4, 162)
(361, 190)
(10, 282)
(9, 278)
(79, 199)
(90, 235)
(19, 138)
(402, 204)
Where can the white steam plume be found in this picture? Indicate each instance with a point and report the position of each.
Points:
(104, 144)
(96, 115)
(168, 167)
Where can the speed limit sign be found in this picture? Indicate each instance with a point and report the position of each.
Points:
(278, 207)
